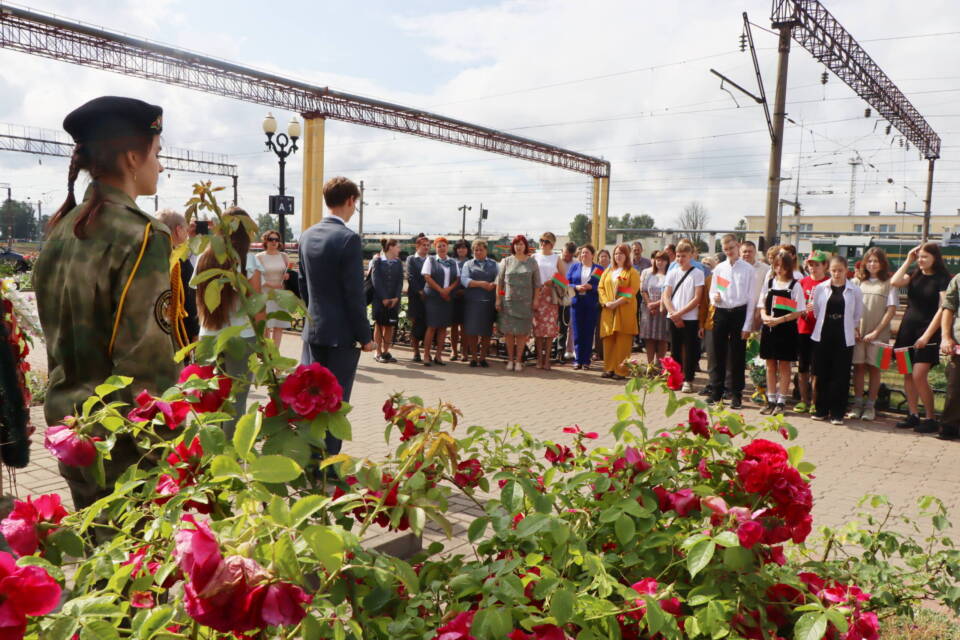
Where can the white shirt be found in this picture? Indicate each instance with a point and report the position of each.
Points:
(739, 292)
(682, 295)
(237, 317)
(796, 294)
(548, 266)
(336, 217)
(428, 269)
(760, 270)
(852, 309)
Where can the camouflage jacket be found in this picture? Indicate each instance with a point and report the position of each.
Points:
(79, 284)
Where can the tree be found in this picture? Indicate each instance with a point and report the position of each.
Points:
(580, 229)
(269, 222)
(693, 217)
(740, 228)
(642, 221)
(18, 220)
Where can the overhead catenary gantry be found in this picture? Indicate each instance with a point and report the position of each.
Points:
(47, 142)
(816, 30)
(68, 41)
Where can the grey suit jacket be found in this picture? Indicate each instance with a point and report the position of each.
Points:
(331, 283)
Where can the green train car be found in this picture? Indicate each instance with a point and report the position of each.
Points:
(853, 247)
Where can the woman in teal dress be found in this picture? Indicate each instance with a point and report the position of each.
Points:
(517, 281)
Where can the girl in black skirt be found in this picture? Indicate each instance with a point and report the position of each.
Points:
(780, 304)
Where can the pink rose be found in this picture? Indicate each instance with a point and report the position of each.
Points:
(69, 447)
(458, 628)
(647, 586)
(28, 524)
(24, 591)
(197, 552)
(311, 390)
(750, 533)
(209, 400)
(716, 504)
(699, 422)
(558, 454)
(174, 413)
(674, 372)
(142, 599)
(283, 604)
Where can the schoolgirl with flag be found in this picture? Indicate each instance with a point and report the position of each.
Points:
(780, 302)
(838, 307)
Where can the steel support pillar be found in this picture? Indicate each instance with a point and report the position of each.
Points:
(595, 215)
(604, 209)
(926, 201)
(776, 148)
(311, 207)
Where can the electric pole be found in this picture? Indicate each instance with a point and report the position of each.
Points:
(776, 149)
(360, 224)
(463, 225)
(480, 219)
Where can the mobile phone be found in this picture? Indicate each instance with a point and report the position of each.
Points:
(203, 227)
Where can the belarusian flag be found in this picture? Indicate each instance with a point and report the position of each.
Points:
(787, 304)
(722, 283)
(884, 356)
(904, 363)
(596, 272)
(624, 292)
(560, 279)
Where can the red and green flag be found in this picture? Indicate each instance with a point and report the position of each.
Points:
(624, 292)
(596, 272)
(904, 362)
(722, 283)
(884, 356)
(787, 304)
(560, 280)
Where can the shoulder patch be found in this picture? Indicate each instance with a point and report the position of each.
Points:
(161, 310)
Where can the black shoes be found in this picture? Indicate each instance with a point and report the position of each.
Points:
(473, 363)
(417, 358)
(948, 432)
(912, 422)
(736, 402)
(439, 362)
(927, 425)
(483, 363)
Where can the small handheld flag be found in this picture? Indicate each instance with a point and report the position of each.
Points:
(560, 280)
(884, 356)
(502, 293)
(787, 304)
(624, 292)
(904, 362)
(596, 272)
(722, 283)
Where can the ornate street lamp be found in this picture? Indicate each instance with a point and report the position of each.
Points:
(284, 144)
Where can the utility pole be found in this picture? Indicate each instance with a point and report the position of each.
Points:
(480, 219)
(776, 148)
(156, 203)
(360, 224)
(926, 201)
(463, 225)
(9, 216)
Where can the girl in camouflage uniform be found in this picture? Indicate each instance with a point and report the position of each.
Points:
(103, 276)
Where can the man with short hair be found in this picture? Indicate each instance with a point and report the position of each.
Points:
(639, 262)
(331, 283)
(748, 253)
(732, 295)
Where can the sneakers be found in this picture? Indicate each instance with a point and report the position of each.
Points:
(869, 413)
(818, 417)
(779, 409)
(706, 391)
(911, 422)
(927, 425)
(800, 407)
(857, 409)
(736, 402)
(767, 410)
(836, 421)
(686, 388)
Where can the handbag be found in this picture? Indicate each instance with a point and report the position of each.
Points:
(368, 283)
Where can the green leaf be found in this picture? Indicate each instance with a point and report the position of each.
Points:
(246, 434)
(279, 511)
(623, 411)
(305, 507)
(225, 467)
(699, 556)
(274, 468)
(672, 403)
(339, 426)
(561, 606)
(326, 544)
(377, 599)
(727, 539)
(625, 529)
(532, 524)
(285, 557)
(655, 617)
(211, 295)
(312, 630)
(158, 619)
(795, 454)
(98, 630)
(810, 626)
(62, 629)
(67, 541)
(493, 622)
(737, 558)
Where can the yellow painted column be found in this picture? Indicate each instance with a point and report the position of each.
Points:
(595, 216)
(311, 210)
(604, 209)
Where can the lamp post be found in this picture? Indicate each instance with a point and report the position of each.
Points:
(283, 145)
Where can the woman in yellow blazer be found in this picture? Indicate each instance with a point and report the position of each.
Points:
(619, 288)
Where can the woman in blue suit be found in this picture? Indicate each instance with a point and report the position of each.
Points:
(584, 276)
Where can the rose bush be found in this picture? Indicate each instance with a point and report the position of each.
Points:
(696, 529)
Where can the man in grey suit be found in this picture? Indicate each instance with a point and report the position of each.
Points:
(331, 283)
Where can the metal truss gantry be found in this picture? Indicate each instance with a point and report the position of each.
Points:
(816, 30)
(47, 142)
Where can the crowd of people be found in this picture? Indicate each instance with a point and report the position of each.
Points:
(821, 324)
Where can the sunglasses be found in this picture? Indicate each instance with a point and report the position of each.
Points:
(273, 239)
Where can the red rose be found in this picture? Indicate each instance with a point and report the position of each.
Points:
(142, 599)
(197, 552)
(558, 453)
(208, 400)
(468, 475)
(750, 533)
(311, 390)
(682, 501)
(283, 604)
(866, 626)
(674, 372)
(174, 413)
(699, 422)
(388, 410)
(575, 429)
(703, 470)
(458, 628)
(409, 430)
(647, 586)
(28, 524)
(69, 447)
(24, 591)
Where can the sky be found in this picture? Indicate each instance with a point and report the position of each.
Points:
(626, 80)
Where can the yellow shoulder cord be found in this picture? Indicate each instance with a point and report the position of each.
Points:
(177, 310)
(126, 287)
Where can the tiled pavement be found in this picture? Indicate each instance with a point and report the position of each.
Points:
(851, 460)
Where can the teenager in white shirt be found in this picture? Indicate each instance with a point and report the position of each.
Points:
(781, 302)
(681, 297)
(732, 296)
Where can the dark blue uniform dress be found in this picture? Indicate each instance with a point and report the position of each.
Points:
(416, 310)
(584, 310)
(479, 304)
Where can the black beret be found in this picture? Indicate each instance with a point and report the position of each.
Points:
(111, 117)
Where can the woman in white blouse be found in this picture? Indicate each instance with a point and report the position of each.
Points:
(273, 264)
